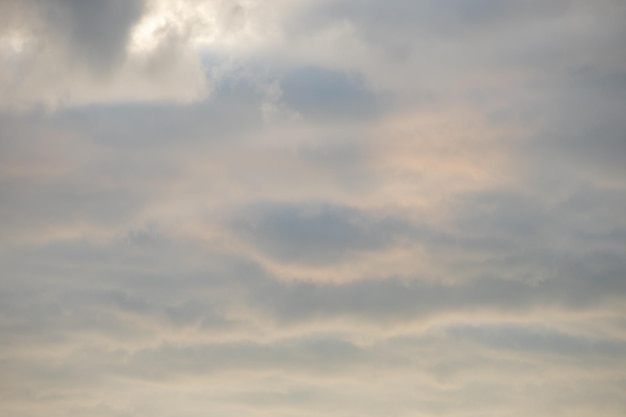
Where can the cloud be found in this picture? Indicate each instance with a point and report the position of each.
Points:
(321, 93)
(393, 299)
(543, 341)
(65, 53)
(315, 233)
(318, 207)
(98, 33)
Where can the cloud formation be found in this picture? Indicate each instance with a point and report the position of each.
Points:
(340, 207)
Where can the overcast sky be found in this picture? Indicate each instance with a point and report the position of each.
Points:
(303, 208)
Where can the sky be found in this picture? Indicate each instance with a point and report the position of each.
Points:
(297, 208)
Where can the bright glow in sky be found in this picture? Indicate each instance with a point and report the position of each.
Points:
(301, 208)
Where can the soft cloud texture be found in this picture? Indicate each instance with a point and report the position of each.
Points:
(296, 208)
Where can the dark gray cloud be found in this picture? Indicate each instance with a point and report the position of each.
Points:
(62, 53)
(575, 286)
(520, 338)
(96, 31)
(316, 232)
(318, 355)
(397, 26)
(234, 109)
(320, 93)
(586, 130)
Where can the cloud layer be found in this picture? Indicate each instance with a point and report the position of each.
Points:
(217, 208)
